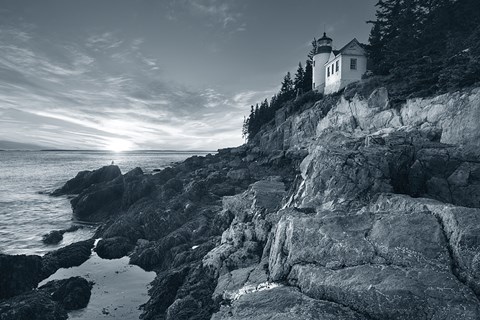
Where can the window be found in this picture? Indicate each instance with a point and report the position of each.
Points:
(353, 64)
(328, 71)
(333, 68)
(337, 65)
(313, 85)
(314, 63)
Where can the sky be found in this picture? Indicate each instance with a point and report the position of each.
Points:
(154, 74)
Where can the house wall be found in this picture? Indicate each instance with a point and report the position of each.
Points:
(346, 75)
(335, 76)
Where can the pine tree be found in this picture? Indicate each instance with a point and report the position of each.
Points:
(287, 90)
(375, 49)
(313, 50)
(426, 45)
(384, 31)
(250, 123)
(308, 78)
(298, 82)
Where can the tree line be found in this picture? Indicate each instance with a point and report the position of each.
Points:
(426, 46)
(264, 111)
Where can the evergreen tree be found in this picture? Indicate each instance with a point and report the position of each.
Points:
(308, 73)
(384, 31)
(426, 45)
(308, 77)
(313, 50)
(250, 122)
(461, 66)
(298, 82)
(375, 53)
(287, 90)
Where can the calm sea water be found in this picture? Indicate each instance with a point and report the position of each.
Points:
(27, 212)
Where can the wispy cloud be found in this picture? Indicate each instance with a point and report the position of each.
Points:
(86, 99)
(103, 41)
(223, 13)
(221, 10)
(101, 88)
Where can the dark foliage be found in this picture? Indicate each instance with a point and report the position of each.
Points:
(426, 46)
(291, 89)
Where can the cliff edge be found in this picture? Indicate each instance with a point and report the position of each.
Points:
(381, 222)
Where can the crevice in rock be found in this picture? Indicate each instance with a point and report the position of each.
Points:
(364, 314)
(375, 248)
(454, 267)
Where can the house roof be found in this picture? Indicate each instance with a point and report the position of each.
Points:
(354, 40)
(337, 53)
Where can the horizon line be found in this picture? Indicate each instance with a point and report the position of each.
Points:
(110, 151)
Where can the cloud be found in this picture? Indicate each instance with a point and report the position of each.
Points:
(103, 41)
(96, 94)
(248, 98)
(223, 13)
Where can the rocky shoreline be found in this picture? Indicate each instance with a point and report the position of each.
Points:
(351, 207)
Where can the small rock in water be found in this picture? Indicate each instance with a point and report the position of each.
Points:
(53, 237)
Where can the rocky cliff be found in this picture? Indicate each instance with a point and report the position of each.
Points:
(351, 207)
(381, 222)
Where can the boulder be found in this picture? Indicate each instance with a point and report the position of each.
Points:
(113, 248)
(99, 201)
(25, 272)
(50, 302)
(53, 237)
(20, 274)
(102, 200)
(70, 256)
(85, 179)
(32, 305)
(72, 294)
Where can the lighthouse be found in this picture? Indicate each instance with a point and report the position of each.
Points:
(322, 55)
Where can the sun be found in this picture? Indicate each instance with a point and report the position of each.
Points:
(119, 145)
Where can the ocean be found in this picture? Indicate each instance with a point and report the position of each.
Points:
(27, 212)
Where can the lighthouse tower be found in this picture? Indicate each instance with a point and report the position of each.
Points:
(324, 49)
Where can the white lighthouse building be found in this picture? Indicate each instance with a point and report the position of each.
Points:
(324, 49)
(335, 69)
